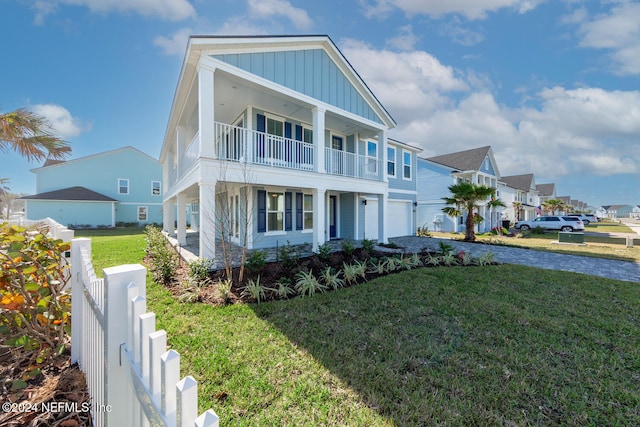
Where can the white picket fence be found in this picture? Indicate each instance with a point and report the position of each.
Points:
(132, 379)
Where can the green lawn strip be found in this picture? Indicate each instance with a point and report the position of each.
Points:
(608, 227)
(459, 346)
(110, 248)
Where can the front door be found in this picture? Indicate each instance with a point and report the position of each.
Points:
(333, 210)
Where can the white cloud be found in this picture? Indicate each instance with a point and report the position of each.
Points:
(470, 9)
(264, 9)
(173, 10)
(460, 34)
(63, 124)
(175, 44)
(568, 131)
(617, 31)
(404, 40)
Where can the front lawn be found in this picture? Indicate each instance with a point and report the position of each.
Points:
(458, 346)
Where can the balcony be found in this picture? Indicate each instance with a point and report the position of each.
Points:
(238, 144)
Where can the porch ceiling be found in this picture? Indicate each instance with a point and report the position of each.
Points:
(234, 94)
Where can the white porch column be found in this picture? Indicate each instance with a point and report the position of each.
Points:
(169, 216)
(382, 143)
(318, 137)
(182, 219)
(382, 218)
(180, 147)
(319, 220)
(249, 138)
(206, 115)
(207, 220)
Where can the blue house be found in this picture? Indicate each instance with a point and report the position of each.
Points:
(436, 174)
(277, 139)
(101, 190)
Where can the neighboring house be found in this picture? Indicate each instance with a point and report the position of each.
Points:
(437, 174)
(277, 139)
(617, 211)
(520, 195)
(546, 192)
(635, 212)
(101, 190)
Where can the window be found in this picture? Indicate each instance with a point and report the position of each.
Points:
(234, 208)
(308, 212)
(155, 188)
(406, 165)
(142, 213)
(372, 157)
(194, 207)
(275, 211)
(275, 127)
(123, 186)
(391, 161)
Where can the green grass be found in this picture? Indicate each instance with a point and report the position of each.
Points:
(455, 346)
(115, 247)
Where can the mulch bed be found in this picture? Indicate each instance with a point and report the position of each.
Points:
(51, 393)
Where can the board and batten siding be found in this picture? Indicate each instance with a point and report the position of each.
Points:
(311, 72)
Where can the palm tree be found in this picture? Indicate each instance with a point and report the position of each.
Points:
(553, 205)
(465, 196)
(517, 207)
(30, 135)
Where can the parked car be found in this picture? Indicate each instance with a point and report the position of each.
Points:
(585, 218)
(553, 222)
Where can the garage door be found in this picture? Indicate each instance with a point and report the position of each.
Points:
(399, 219)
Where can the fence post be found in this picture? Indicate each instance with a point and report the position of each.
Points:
(77, 294)
(116, 282)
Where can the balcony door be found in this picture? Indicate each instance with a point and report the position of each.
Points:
(337, 155)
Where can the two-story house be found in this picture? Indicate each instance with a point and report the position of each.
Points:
(520, 195)
(436, 174)
(101, 190)
(277, 139)
(546, 192)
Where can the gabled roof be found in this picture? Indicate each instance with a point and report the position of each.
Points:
(463, 160)
(546, 189)
(405, 145)
(72, 193)
(520, 182)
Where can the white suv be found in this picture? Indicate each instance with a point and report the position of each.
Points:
(562, 223)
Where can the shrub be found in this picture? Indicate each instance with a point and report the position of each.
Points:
(324, 251)
(164, 260)
(199, 269)
(423, 232)
(445, 248)
(331, 278)
(224, 290)
(284, 288)
(355, 271)
(35, 307)
(486, 259)
(368, 245)
(348, 247)
(288, 256)
(256, 261)
(307, 284)
(254, 290)
(537, 230)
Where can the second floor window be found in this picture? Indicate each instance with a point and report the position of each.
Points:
(155, 188)
(372, 157)
(123, 186)
(391, 161)
(406, 165)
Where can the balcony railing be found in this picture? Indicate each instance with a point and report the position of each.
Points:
(338, 162)
(238, 144)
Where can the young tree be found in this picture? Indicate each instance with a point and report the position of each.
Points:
(517, 207)
(553, 205)
(30, 135)
(466, 197)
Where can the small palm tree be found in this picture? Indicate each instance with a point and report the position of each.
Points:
(30, 135)
(517, 207)
(4, 191)
(465, 197)
(553, 205)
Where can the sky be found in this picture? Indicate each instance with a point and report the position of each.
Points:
(552, 85)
